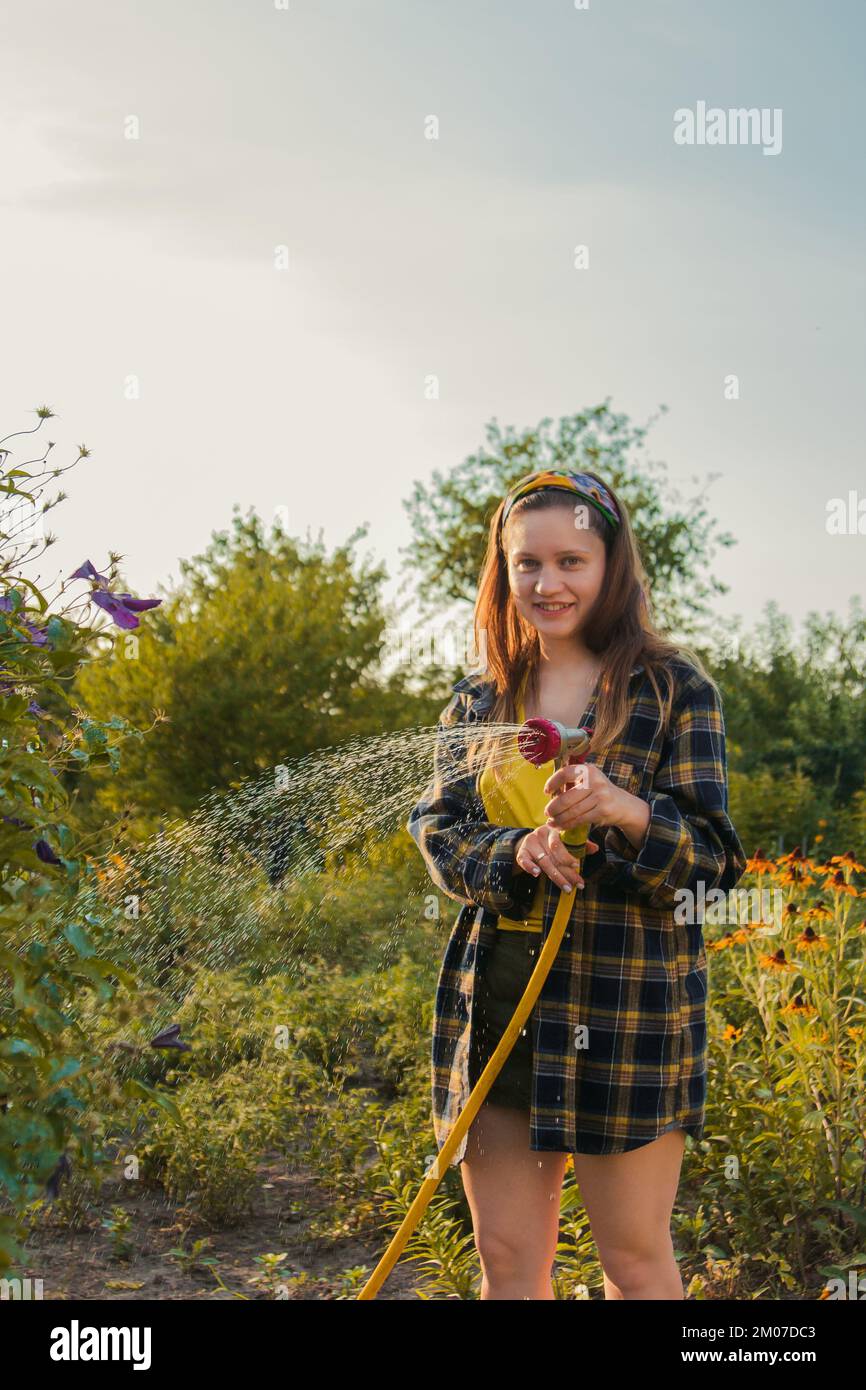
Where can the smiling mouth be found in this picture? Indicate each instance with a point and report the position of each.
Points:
(553, 607)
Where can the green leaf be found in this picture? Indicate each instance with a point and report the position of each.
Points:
(79, 940)
(138, 1088)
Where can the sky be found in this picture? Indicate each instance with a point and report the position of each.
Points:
(241, 239)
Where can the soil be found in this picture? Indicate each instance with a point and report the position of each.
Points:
(81, 1264)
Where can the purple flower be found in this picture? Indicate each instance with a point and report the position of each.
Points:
(87, 571)
(33, 708)
(37, 634)
(6, 604)
(170, 1037)
(16, 820)
(123, 607)
(46, 853)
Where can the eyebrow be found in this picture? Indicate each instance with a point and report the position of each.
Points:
(530, 555)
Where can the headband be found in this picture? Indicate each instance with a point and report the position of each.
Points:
(585, 487)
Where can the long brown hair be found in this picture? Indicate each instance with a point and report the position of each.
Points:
(620, 628)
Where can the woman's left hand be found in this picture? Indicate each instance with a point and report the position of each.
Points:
(595, 800)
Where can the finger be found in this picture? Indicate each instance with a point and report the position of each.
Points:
(557, 781)
(555, 871)
(569, 871)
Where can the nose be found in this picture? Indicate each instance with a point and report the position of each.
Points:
(547, 585)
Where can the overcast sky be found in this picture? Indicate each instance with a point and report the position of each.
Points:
(153, 259)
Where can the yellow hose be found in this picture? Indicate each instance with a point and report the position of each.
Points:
(477, 1095)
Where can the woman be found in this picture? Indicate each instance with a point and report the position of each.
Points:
(612, 1068)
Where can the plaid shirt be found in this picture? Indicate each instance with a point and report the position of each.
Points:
(628, 976)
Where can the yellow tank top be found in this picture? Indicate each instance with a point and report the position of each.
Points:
(516, 796)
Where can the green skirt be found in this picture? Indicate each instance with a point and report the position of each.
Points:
(502, 975)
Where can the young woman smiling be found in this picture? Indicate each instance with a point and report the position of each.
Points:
(612, 1067)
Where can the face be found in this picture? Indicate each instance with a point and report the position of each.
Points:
(555, 570)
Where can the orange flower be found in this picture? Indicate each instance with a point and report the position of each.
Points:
(732, 1034)
(759, 863)
(796, 870)
(838, 885)
(819, 913)
(777, 961)
(798, 1005)
(730, 938)
(809, 939)
(849, 859)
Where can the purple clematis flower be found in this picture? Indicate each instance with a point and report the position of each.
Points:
(46, 853)
(170, 1037)
(38, 634)
(123, 607)
(87, 571)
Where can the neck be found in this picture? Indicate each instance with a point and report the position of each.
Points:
(566, 654)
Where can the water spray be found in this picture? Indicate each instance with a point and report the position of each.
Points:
(539, 740)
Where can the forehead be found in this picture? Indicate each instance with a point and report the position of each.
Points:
(551, 530)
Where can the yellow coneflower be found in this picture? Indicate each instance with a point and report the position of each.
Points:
(791, 910)
(777, 961)
(798, 1005)
(837, 884)
(809, 939)
(760, 864)
(732, 1034)
(849, 859)
(819, 913)
(795, 853)
(730, 938)
(855, 1031)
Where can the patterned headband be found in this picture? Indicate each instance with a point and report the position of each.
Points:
(589, 489)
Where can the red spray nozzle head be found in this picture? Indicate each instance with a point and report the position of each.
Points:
(540, 740)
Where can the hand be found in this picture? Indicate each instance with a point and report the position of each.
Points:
(595, 800)
(542, 849)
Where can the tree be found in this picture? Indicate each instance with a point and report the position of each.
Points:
(796, 709)
(268, 649)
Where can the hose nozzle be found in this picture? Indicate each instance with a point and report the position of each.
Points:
(539, 740)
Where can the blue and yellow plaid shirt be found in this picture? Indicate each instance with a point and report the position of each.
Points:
(619, 1030)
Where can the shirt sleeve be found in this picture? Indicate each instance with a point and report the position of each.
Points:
(690, 838)
(468, 857)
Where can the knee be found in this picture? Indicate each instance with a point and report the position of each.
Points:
(634, 1267)
(503, 1256)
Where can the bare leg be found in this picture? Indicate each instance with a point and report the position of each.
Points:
(629, 1199)
(513, 1194)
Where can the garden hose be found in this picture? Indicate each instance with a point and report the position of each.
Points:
(538, 740)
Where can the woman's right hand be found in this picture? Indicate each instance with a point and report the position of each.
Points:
(542, 850)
